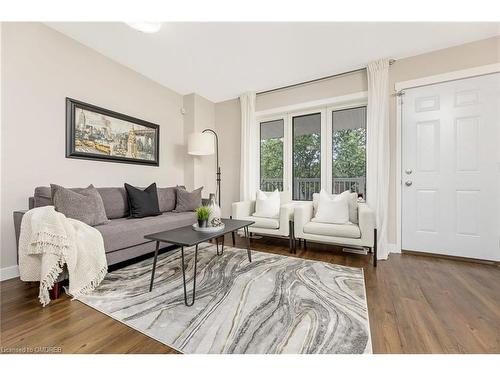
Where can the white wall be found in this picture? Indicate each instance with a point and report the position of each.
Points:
(1, 142)
(228, 120)
(40, 68)
(199, 170)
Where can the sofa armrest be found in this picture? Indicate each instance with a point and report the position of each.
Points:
(303, 213)
(18, 218)
(242, 209)
(367, 222)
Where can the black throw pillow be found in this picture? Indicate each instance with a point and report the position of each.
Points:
(143, 203)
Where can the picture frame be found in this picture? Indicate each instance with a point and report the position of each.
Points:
(95, 133)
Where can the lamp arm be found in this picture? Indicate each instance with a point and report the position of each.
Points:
(216, 144)
(217, 161)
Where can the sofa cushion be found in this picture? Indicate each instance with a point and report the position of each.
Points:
(187, 201)
(333, 230)
(263, 222)
(143, 203)
(126, 232)
(332, 209)
(85, 205)
(267, 204)
(352, 201)
(166, 198)
(42, 196)
(115, 201)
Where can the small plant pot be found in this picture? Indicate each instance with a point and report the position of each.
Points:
(202, 223)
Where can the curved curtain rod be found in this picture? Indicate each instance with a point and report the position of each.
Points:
(391, 61)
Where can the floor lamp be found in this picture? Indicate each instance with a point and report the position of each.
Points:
(201, 144)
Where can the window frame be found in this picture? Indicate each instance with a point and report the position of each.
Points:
(259, 169)
(330, 111)
(326, 107)
(313, 111)
(259, 121)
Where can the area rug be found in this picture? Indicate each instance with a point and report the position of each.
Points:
(275, 304)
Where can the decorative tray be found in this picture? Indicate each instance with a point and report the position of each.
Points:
(208, 229)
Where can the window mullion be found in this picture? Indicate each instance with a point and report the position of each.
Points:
(328, 159)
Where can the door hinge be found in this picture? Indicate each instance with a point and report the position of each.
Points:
(399, 94)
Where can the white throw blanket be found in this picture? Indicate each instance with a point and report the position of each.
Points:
(48, 241)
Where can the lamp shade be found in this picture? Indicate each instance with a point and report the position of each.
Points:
(201, 144)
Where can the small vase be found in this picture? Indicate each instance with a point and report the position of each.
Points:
(214, 209)
(202, 223)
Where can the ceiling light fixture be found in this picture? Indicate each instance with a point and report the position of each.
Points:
(145, 27)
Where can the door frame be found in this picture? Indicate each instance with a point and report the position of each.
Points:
(399, 87)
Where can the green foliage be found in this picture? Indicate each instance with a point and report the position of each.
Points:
(271, 158)
(203, 212)
(349, 153)
(307, 156)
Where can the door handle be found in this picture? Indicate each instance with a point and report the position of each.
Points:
(408, 171)
(408, 183)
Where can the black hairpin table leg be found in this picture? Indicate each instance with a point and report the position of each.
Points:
(232, 235)
(154, 266)
(194, 276)
(248, 244)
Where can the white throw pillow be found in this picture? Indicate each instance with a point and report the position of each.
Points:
(332, 209)
(267, 204)
(352, 202)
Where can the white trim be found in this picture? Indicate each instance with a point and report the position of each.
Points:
(344, 100)
(424, 81)
(399, 122)
(9, 273)
(392, 248)
(449, 76)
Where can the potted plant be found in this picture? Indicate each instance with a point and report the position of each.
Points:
(203, 213)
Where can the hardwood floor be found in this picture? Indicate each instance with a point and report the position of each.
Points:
(416, 304)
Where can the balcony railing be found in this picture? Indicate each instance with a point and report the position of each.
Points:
(354, 184)
(304, 188)
(271, 184)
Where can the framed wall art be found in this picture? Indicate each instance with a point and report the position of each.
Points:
(100, 134)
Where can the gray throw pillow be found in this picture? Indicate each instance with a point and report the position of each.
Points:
(166, 198)
(85, 204)
(188, 201)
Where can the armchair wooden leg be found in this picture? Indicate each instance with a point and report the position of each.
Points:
(305, 244)
(375, 247)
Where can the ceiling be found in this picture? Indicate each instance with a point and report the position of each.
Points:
(222, 60)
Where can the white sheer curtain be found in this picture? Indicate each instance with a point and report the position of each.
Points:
(248, 170)
(377, 149)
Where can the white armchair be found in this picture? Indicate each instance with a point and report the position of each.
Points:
(280, 227)
(363, 234)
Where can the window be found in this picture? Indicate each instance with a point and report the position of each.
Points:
(349, 150)
(313, 147)
(306, 155)
(271, 155)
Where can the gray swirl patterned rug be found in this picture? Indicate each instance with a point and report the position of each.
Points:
(276, 304)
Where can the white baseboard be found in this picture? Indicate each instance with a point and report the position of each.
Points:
(392, 248)
(9, 273)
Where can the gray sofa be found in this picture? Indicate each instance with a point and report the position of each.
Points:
(123, 236)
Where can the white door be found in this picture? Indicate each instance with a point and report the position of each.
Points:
(451, 168)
